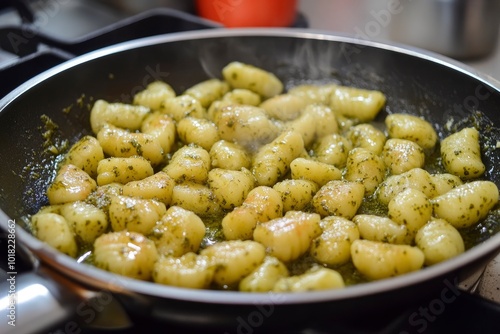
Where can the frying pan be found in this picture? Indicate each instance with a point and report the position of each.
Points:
(414, 81)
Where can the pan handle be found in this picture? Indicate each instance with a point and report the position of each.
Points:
(36, 301)
(30, 303)
(43, 299)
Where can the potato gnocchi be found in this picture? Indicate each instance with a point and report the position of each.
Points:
(237, 183)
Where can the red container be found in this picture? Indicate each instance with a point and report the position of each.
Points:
(249, 13)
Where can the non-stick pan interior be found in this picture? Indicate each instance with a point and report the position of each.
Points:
(412, 84)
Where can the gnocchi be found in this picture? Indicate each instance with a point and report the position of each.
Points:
(85, 154)
(416, 129)
(233, 260)
(126, 253)
(462, 155)
(289, 237)
(188, 271)
(439, 241)
(119, 114)
(466, 204)
(135, 214)
(262, 204)
(265, 276)
(272, 161)
(314, 279)
(54, 230)
(339, 198)
(333, 246)
(237, 184)
(70, 184)
(86, 221)
(377, 260)
(246, 76)
(177, 232)
(154, 94)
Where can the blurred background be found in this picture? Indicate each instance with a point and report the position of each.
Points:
(467, 30)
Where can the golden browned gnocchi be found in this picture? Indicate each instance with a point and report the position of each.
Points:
(86, 220)
(401, 155)
(265, 276)
(237, 184)
(85, 154)
(333, 246)
(314, 279)
(126, 253)
(365, 167)
(411, 208)
(208, 91)
(285, 107)
(296, 194)
(123, 170)
(70, 184)
(241, 96)
(314, 93)
(162, 128)
(361, 104)
(318, 172)
(288, 237)
(189, 163)
(188, 271)
(154, 94)
(466, 204)
(261, 205)
(135, 214)
(234, 259)
(118, 142)
(228, 155)
(158, 186)
(230, 187)
(368, 137)
(332, 149)
(439, 241)
(264, 83)
(272, 161)
(198, 131)
(195, 197)
(462, 155)
(177, 232)
(339, 198)
(182, 106)
(416, 129)
(119, 114)
(381, 229)
(415, 178)
(445, 182)
(377, 260)
(246, 125)
(54, 230)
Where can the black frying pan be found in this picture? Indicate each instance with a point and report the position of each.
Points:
(413, 81)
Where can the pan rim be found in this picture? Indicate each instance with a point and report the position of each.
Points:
(299, 33)
(105, 280)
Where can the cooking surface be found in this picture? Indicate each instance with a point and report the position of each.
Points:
(67, 20)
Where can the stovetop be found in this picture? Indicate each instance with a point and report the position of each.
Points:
(61, 30)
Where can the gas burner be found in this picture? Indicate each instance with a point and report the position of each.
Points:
(37, 36)
(29, 48)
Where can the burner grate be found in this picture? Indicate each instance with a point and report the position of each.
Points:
(29, 51)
